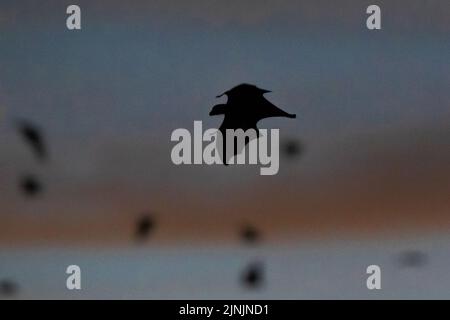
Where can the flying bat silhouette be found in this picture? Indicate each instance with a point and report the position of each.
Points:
(32, 135)
(253, 275)
(246, 105)
(145, 226)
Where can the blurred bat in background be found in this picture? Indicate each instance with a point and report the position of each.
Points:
(34, 138)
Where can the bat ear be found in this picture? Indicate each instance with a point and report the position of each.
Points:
(223, 94)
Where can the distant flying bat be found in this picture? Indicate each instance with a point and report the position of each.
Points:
(245, 106)
(250, 234)
(144, 226)
(293, 148)
(32, 135)
(413, 259)
(8, 287)
(253, 275)
(30, 186)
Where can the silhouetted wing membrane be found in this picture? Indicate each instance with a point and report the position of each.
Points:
(265, 109)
